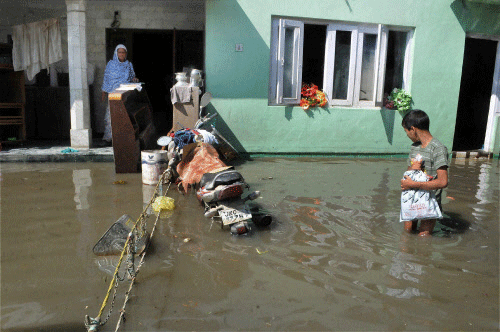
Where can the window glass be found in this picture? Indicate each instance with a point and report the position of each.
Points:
(366, 90)
(396, 48)
(288, 79)
(341, 64)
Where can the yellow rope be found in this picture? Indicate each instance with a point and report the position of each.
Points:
(141, 217)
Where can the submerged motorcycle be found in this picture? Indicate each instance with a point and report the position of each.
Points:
(221, 193)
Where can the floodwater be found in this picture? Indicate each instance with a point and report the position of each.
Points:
(335, 258)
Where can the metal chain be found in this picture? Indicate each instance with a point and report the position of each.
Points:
(112, 301)
(142, 261)
(92, 324)
(131, 256)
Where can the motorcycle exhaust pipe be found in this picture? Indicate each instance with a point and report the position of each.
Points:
(262, 219)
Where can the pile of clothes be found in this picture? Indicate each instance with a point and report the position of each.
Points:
(192, 153)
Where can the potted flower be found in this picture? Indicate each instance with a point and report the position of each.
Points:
(399, 99)
(312, 97)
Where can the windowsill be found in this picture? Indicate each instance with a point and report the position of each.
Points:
(368, 108)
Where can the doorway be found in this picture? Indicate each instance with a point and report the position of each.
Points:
(157, 55)
(475, 94)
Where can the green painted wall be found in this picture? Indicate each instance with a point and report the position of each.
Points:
(478, 16)
(239, 80)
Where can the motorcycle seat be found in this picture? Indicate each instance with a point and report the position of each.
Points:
(211, 180)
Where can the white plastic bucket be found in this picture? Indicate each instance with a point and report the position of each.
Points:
(153, 164)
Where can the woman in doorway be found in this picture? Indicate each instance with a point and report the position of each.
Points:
(118, 71)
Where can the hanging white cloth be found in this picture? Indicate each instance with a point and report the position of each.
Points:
(36, 46)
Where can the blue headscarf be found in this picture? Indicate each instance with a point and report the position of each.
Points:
(117, 72)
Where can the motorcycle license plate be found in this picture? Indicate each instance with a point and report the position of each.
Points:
(231, 216)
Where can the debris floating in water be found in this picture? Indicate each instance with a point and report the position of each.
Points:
(120, 182)
(260, 252)
(164, 206)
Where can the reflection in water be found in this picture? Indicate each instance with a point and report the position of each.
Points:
(483, 193)
(19, 315)
(335, 257)
(147, 193)
(343, 227)
(403, 268)
(409, 292)
(83, 182)
(0, 193)
(108, 264)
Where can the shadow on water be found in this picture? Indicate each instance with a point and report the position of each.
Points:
(454, 223)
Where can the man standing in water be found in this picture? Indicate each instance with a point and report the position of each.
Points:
(434, 162)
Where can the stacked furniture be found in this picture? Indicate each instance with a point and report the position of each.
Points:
(12, 99)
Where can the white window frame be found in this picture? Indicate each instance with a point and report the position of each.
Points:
(380, 56)
(278, 61)
(330, 63)
(355, 65)
(407, 72)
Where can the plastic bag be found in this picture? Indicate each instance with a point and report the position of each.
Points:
(418, 204)
(164, 206)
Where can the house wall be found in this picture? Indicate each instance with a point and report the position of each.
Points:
(161, 15)
(239, 80)
(478, 16)
(20, 12)
(146, 14)
(23, 12)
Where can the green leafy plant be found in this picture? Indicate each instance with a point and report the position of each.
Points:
(399, 99)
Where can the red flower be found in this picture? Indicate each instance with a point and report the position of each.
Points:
(304, 104)
(312, 96)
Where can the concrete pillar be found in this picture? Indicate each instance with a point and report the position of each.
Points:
(81, 133)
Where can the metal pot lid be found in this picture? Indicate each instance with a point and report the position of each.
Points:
(164, 140)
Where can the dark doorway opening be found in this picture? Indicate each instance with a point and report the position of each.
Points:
(475, 94)
(157, 55)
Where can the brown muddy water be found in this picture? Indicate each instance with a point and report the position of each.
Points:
(335, 259)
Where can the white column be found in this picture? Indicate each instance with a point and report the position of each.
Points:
(494, 111)
(81, 133)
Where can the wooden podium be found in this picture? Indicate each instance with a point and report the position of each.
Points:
(132, 126)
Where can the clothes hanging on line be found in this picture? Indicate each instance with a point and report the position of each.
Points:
(36, 46)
